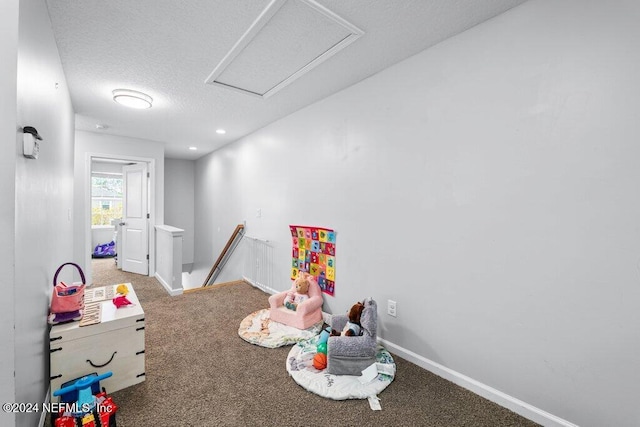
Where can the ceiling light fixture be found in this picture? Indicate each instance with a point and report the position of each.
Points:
(221, 131)
(193, 148)
(132, 98)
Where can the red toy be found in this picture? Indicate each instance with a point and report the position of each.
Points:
(79, 407)
(121, 301)
(105, 411)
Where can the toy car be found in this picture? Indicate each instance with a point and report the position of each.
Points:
(83, 404)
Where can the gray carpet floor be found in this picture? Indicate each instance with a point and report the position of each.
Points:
(199, 372)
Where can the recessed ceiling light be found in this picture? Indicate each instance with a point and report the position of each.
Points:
(221, 131)
(193, 148)
(132, 98)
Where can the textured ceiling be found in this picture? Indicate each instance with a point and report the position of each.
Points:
(287, 41)
(168, 49)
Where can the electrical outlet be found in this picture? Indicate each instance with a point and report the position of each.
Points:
(258, 213)
(391, 308)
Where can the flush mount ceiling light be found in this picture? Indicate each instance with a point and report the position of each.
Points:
(193, 148)
(221, 131)
(132, 98)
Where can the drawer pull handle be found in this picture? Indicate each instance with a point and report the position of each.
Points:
(54, 377)
(139, 352)
(54, 339)
(139, 329)
(140, 320)
(102, 366)
(140, 375)
(55, 349)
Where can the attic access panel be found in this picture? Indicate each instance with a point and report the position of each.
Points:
(287, 40)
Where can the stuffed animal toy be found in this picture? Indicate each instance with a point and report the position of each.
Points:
(292, 299)
(353, 327)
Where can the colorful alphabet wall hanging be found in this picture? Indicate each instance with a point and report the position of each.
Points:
(314, 252)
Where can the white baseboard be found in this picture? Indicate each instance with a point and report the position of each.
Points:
(172, 292)
(518, 406)
(43, 414)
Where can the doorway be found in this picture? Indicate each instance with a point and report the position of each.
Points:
(122, 208)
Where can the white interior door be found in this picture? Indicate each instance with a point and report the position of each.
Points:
(135, 220)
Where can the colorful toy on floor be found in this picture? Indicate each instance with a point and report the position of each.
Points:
(322, 348)
(324, 335)
(320, 361)
(322, 341)
(320, 358)
(80, 407)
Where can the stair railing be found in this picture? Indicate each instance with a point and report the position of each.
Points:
(228, 249)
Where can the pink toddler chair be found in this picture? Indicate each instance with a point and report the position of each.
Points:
(308, 312)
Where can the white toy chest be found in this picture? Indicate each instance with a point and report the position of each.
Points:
(115, 344)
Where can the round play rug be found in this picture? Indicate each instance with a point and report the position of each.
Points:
(257, 328)
(337, 387)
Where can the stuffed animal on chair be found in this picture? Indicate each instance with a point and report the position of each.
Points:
(307, 312)
(353, 327)
(301, 294)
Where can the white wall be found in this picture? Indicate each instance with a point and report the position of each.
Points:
(44, 199)
(179, 201)
(93, 144)
(489, 185)
(8, 101)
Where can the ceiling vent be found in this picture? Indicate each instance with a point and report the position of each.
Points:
(287, 40)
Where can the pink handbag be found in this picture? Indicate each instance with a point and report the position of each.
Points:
(67, 298)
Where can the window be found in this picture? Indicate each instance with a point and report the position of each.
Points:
(106, 199)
